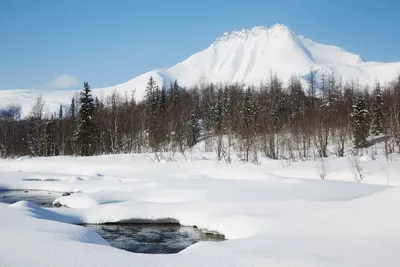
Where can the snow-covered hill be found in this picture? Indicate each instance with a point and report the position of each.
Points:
(246, 56)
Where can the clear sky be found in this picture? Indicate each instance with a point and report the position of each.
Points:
(110, 42)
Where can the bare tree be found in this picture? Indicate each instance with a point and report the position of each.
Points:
(357, 168)
(112, 121)
(321, 168)
(38, 109)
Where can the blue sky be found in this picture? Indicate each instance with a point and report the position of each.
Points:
(110, 42)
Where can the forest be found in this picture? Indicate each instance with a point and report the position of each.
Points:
(275, 119)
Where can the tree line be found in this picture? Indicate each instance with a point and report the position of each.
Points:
(272, 119)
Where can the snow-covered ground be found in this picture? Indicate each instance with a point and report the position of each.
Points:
(273, 214)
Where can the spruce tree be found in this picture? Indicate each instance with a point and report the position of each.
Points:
(296, 96)
(84, 135)
(248, 121)
(163, 101)
(151, 113)
(194, 129)
(72, 109)
(377, 113)
(311, 85)
(360, 118)
(219, 112)
(174, 95)
(60, 113)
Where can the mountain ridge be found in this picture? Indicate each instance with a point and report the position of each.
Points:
(244, 56)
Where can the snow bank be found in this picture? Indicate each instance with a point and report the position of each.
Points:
(76, 201)
(272, 214)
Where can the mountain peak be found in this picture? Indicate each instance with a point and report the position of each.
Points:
(279, 27)
(246, 56)
(275, 31)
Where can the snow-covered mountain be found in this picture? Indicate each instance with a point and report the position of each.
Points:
(246, 56)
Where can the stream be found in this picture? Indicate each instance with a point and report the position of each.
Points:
(137, 238)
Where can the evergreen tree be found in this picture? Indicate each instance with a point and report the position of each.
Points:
(162, 122)
(296, 96)
(72, 109)
(194, 129)
(60, 113)
(218, 120)
(377, 113)
(311, 85)
(360, 118)
(98, 118)
(208, 104)
(151, 88)
(219, 112)
(48, 144)
(85, 132)
(332, 89)
(174, 95)
(249, 120)
(163, 101)
(151, 113)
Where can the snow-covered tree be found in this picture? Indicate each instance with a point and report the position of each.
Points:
(249, 121)
(360, 116)
(84, 134)
(194, 124)
(297, 96)
(152, 104)
(162, 105)
(174, 95)
(311, 81)
(193, 129)
(61, 112)
(377, 123)
(219, 112)
(72, 109)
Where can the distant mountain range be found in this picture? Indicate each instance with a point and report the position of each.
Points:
(246, 56)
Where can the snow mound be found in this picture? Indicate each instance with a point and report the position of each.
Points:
(25, 157)
(173, 196)
(76, 201)
(24, 205)
(75, 179)
(365, 158)
(35, 211)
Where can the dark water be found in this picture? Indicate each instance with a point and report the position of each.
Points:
(153, 238)
(42, 199)
(138, 238)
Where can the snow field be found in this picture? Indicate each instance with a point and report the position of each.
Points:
(272, 214)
